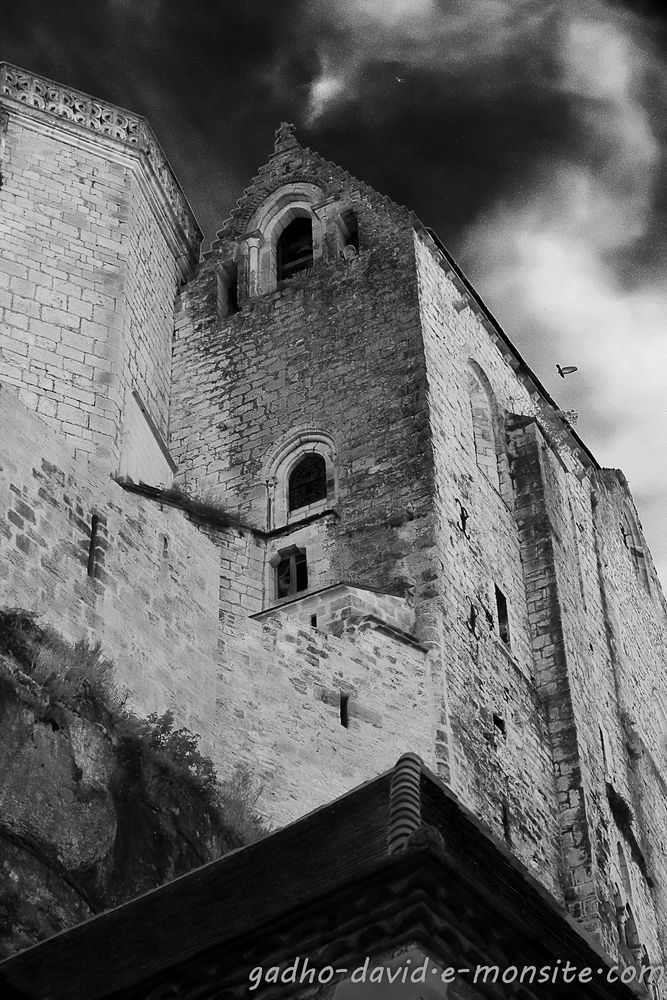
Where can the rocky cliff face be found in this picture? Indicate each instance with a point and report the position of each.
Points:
(90, 815)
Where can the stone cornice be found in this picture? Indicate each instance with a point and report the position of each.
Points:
(106, 121)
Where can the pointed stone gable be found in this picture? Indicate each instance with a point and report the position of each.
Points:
(292, 163)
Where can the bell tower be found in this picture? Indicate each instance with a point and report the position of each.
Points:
(315, 370)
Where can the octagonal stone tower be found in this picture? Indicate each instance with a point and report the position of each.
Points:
(97, 236)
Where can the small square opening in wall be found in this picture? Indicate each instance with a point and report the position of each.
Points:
(502, 615)
(499, 723)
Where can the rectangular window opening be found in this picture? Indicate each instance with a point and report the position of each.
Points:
(344, 710)
(503, 619)
(227, 290)
(351, 235)
(313, 621)
(291, 573)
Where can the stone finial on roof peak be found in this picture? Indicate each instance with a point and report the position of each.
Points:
(285, 137)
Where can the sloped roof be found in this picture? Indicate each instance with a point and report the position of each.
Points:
(396, 860)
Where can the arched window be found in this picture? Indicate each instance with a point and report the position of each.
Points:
(300, 476)
(307, 482)
(284, 237)
(632, 540)
(294, 249)
(483, 429)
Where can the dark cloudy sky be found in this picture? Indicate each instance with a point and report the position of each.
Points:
(531, 134)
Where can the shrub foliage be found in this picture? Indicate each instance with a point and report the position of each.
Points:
(77, 676)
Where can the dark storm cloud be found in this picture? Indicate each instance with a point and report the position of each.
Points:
(201, 72)
(468, 124)
(215, 79)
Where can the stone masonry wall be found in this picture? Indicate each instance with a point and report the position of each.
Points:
(552, 729)
(546, 542)
(499, 752)
(581, 688)
(87, 281)
(636, 636)
(279, 710)
(538, 534)
(297, 358)
(153, 598)
(151, 279)
(342, 607)
(242, 567)
(263, 696)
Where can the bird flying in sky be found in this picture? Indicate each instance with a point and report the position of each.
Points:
(566, 370)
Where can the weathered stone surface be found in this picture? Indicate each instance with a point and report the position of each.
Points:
(86, 822)
(517, 639)
(92, 258)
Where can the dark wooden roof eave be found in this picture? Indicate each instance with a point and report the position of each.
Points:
(328, 888)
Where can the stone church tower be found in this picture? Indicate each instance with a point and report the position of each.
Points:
(420, 553)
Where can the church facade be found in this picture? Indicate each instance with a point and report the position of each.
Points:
(398, 543)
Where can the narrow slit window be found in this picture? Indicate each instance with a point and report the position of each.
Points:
(344, 708)
(507, 826)
(92, 553)
(313, 621)
(228, 286)
(351, 230)
(604, 749)
(503, 619)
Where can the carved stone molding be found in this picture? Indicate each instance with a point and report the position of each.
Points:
(103, 119)
(285, 138)
(64, 103)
